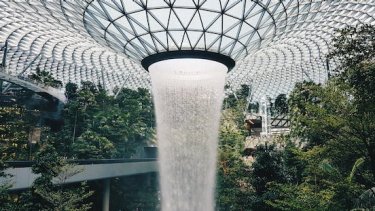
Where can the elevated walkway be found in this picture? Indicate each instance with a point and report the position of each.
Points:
(37, 88)
(87, 170)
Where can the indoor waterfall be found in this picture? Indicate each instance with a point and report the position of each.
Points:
(188, 95)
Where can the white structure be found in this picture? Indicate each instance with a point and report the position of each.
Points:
(290, 38)
(188, 46)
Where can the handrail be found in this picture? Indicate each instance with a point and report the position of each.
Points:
(56, 93)
(21, 164)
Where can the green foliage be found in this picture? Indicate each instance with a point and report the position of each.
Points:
(71, 90)
(14, 131)
(354, 45)
(336, 121)
(355, 48)
(358, 163)
(253, 107)
(281, 104)
(45, 78)
(234, 97)
(291, 197)
(319, 113)
(126, 121)
(47, 161)
(293, 162)
(361, 81)
(325, 189)
(139, 192)
(233, 187)
(320, 118)
(91, 145)
(5, 199)
(65, 198)
(366, 200)
(48, 193)
(341, 114)
(96, 126)
(268, 167)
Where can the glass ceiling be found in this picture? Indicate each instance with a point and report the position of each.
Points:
(142, 28)
(279, 43)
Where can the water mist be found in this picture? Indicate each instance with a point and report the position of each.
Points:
(188, 95)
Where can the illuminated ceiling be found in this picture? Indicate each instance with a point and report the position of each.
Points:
(276, 42)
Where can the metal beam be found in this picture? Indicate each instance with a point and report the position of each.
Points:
(20, 74)
(5, 48)
(29, 65)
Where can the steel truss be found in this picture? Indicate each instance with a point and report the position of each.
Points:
(276, 42)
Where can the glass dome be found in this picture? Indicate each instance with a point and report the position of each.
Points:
(64, 39)
(141, 28)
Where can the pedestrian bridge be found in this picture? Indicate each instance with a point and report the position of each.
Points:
(83, 170)
(37, 88)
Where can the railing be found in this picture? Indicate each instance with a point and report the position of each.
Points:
(280, 121)
(21, 164)
(35, 87)
(87, 170)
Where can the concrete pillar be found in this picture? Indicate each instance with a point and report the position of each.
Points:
(106, 194)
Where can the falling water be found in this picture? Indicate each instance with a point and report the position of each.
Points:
(188, 96)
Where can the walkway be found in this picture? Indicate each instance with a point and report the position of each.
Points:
(56, 93)
(87, 170)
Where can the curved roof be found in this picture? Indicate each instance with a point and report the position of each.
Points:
(288, 44)
(143, 28)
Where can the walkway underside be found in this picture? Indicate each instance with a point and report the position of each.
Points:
(43, 91)
(23, 177)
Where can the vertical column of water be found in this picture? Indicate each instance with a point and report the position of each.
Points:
(188, 95)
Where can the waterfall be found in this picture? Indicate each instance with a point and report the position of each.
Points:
(188, 95)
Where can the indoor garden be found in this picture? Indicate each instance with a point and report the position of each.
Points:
(149, 105)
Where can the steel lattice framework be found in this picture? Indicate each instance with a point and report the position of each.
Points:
(277, 43)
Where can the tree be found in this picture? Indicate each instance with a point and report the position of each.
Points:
(140, 192)
(281, 104)
(91, 145)
(254, 107)
(45, 78)
(126, 121)
(355, 49)
(5, 199)
(331, 119)
(71, 90)
(323, 116)
(64, 196)
(315, 110)
(353, 46)
(45, 193)
(14, 133)
(239, 95)
(323, 187)
(268, 167)
(293, 162)
(129, 123)
(234, 191)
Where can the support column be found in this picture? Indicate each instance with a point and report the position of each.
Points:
(106, 194)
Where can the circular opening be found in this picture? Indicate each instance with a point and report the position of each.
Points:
(188, 54)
